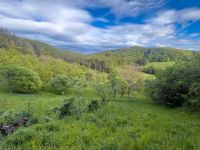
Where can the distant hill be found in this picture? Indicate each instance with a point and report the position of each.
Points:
(140, 55)
(36, 48)
(101, 61)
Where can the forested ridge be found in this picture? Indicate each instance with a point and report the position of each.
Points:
(103, 61)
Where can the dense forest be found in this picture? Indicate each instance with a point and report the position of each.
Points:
(131, 98)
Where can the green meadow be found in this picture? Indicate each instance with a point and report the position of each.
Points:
(127, 123)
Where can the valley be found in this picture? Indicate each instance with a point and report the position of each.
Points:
(131, 98)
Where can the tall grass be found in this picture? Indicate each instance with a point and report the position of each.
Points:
(134, 123)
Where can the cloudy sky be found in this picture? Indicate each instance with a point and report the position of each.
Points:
(89, 26)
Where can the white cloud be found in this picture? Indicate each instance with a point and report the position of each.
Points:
(64, 24)
(190, 14)
(174, 16)
(121, 8)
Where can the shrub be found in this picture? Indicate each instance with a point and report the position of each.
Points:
(143, 61)
(60, 83)
(178, 85)
(104, 92)
(10, 116)
(72, 106)
(93, 106)
(150, 70)
(33, 121)
(65, 110)
(22, 80)
(171, 87)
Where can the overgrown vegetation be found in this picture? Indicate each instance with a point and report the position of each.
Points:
(21, 80)
(178, 85)
(98, 101)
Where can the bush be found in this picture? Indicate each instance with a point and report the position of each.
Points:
(93, 106)
(22, 80)
(65, 110)
(143, 61)
(60, 83)
(178, 85)
(171, 87)
(72, 106)
(104, 92)
(150, 70)
(10, 116)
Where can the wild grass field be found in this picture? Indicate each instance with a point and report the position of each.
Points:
(127, 123)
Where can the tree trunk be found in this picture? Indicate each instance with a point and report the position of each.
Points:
(114, 93)
(129, 90)
(10, 90)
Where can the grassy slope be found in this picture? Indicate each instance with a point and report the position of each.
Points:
(134, 123)
(160, 65)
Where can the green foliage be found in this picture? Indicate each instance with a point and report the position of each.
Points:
(130, 56)
(10, 116)
(133, 123)
(101, 64)
(93, 106)
(149, 70)
(47, 67)
(122, 87)
(128, 123)
(35, 48)
(132, 75)
(143, 61)
(104, 92)
(156, 67)
(178, 85)
(65, 110)
(113, 80)
(20, 137)
(22, 80)
(60, 83)
(72, 106)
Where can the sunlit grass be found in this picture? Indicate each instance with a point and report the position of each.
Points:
(128, 123)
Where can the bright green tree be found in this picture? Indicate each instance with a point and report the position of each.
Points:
(122, 87)
(21, 80)
(113, 80)
(103, 91)
(60, 83)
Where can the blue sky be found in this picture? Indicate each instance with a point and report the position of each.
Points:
(89, 26)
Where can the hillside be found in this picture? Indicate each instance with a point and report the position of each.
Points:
(35, 48)
(103, 61)
(47, 61)
(135, 55)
